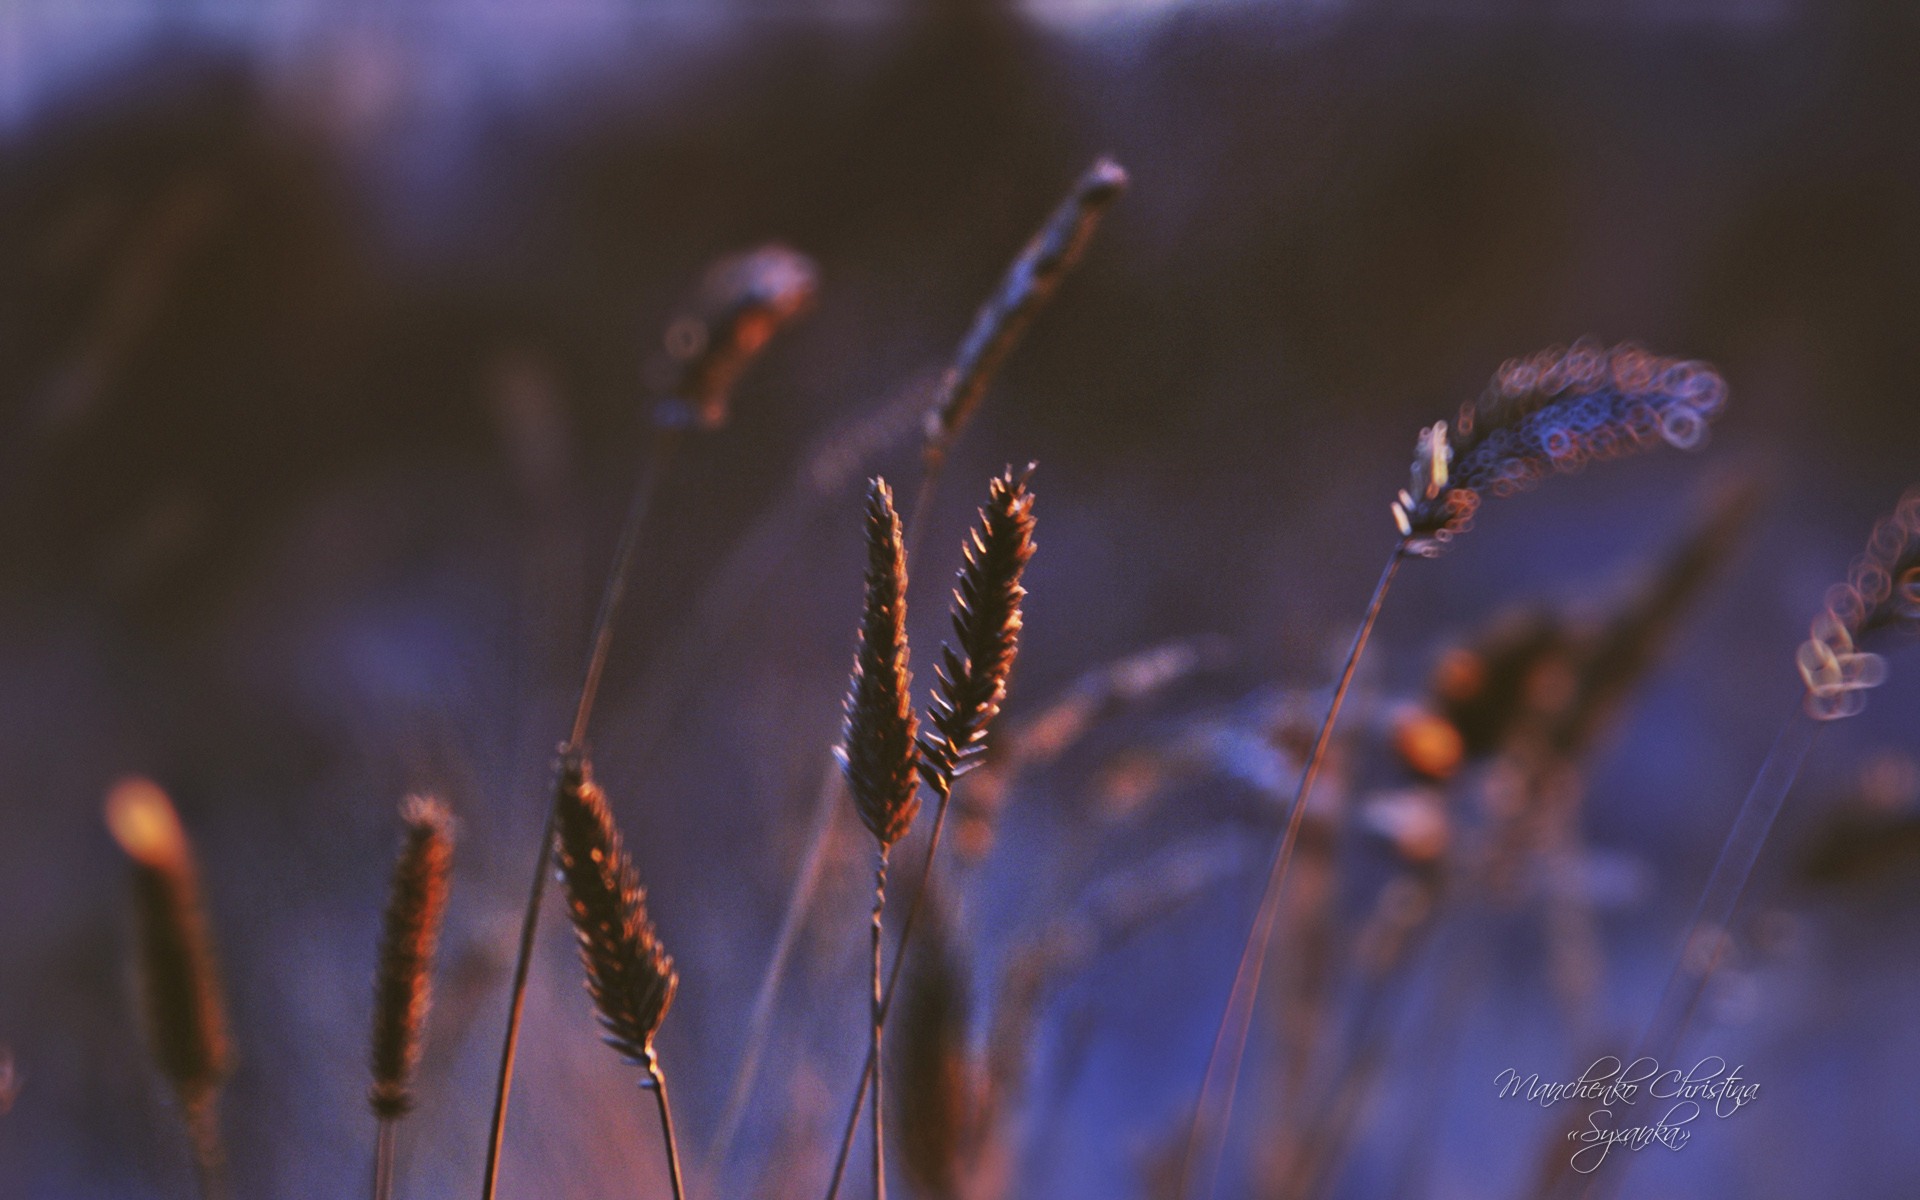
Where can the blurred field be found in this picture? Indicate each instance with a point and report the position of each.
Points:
(324, 349)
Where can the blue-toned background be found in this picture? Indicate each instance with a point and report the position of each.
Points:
(322, 347)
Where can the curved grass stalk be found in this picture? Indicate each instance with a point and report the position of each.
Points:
(1706, 934)
(665, 441)
(883, 999)
(1206, 1136)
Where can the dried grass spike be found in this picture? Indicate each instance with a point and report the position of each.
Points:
(741, 304)
(180, 987)
(879, 754)
(1555, 411)
(629, 976)
(986, 625)
(403, 989)
(1025, 289)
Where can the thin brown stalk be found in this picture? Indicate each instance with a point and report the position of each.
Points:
(742, 302)
(877, 1025)
(1206, 1136)
(628, 974)
(180, 988)
(657, 1082)
(383, 1156)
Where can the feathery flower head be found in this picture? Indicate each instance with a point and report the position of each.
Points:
(403, 987)
(1556, 411)
(986, 618)
(878, 752)
(1881, 594)
(742, 302)
(630, 977)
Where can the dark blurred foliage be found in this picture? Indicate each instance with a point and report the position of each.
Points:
(321, 382)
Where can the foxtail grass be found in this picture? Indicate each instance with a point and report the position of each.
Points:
(971, 683)
(878, 753)
(998, 327)
(1553, 412)
(416, 905)
(179, 981)
(628, 974)
(742, 302)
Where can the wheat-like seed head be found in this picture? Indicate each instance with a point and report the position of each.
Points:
(402, 989)
(878, 753)
(1025, 289)
(974, 669)
(743, 301)
(1881, 595)
(1555, 411)
(630, 977)
(180, 987)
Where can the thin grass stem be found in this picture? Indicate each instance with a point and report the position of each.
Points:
(760, 1019)
(659, 458)
(830, 800)
(657, 1083)
(1707, 934)
(885, 998)
(879, 1022)
(383, 1148)
(1700, 952)
(1206, 1136)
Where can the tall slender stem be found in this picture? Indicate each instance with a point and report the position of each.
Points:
(657, 1081)
(1706, 934)
(665, 441)
(383, 1148)
(1700, 952)
(879, 1021)
(852, 1125)
(659, 457)
(760, 1019)
(1206, 1136)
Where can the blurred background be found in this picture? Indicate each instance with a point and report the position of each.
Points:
(324, 346)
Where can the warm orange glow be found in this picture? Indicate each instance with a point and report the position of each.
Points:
(1428, 744)
(142, 820)
(1459, 676)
